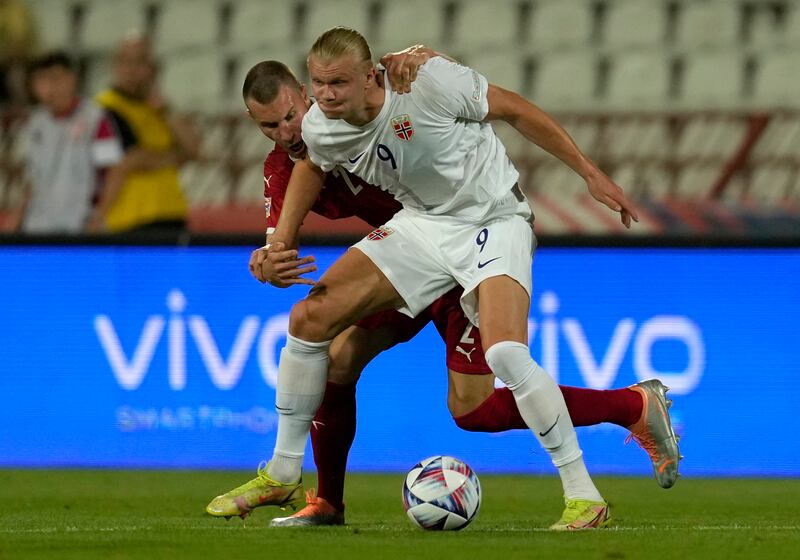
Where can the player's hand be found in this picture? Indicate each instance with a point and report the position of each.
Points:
(604, 190)
(401, 67)
(279, 267)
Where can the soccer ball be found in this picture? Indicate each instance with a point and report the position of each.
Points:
(441, 494)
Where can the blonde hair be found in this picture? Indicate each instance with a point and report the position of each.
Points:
(341, 41)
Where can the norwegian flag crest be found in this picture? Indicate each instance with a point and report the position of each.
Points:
(403, 128)
(380, 233)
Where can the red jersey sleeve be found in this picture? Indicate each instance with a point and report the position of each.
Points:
(277, 171)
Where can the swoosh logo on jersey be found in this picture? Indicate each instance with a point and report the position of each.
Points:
(358, 157)
(482, 264)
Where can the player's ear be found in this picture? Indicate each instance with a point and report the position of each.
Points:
(304, 95)
(371, 72)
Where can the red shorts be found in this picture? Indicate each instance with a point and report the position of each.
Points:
(461, 338)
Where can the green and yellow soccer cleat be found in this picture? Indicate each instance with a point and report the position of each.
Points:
(261, 491)
(654, 433)
(582, 514)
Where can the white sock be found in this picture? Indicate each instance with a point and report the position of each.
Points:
(542, 406)
(302, 374)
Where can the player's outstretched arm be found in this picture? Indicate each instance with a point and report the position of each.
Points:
(278, 262)
(544, 131)
(301, 193)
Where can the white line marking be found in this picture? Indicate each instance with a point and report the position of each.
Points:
(398, 528)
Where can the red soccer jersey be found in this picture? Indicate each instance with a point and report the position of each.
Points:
(342, 196)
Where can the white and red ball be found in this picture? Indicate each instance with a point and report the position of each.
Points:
(441, 493)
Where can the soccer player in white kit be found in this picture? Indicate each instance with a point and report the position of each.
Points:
(464, 221)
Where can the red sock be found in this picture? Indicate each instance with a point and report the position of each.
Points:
(332, 433)
(497, 413)
(587, 407)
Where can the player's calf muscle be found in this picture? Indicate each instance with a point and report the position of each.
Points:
(353, 349)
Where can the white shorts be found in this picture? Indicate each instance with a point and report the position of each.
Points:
(424, 256)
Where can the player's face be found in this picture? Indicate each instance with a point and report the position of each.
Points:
(340, 85)
(280, 120)
(55, 88)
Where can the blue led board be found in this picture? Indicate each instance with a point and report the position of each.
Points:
(167, 357)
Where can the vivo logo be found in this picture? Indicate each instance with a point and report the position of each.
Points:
(224, 371)
(545, 335)
(600, 372)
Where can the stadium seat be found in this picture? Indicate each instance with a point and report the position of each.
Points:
(411, 22)
(187, 24)
(560, 24)
(778, 80)
(98, 74)
(195, 81)
(218, 135)
(565, 80)
(764, 30)
(695, 180)
(791, 34)
(708, 23)
(585, 132)
(556, 180)
(637, 138)
(713, 79)
(711, 137)
(480, 25)
(106, 22)
(54, 23)
(206, 183)
(256, 23)
(633, 23)
(780, 139)
(503, 68)
(250, 187)
(251, 144)
(325, 14)
(643, 180)
(289, 54)
(771, 184)
(639, 80)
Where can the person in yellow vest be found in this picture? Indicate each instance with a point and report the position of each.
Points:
(156, 144)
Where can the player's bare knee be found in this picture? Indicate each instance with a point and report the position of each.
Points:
(308, 322)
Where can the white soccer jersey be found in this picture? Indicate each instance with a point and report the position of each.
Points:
(64, 155)
(428, 147)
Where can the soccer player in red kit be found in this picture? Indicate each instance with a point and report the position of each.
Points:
(277, 103)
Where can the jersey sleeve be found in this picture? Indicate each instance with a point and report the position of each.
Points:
(454, 89)
(276, 180)
(106, 145)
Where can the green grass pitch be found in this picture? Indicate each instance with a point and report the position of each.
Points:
(84, 514)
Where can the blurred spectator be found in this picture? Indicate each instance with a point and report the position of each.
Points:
(17, 42)
(71, 148)
(156, 144)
